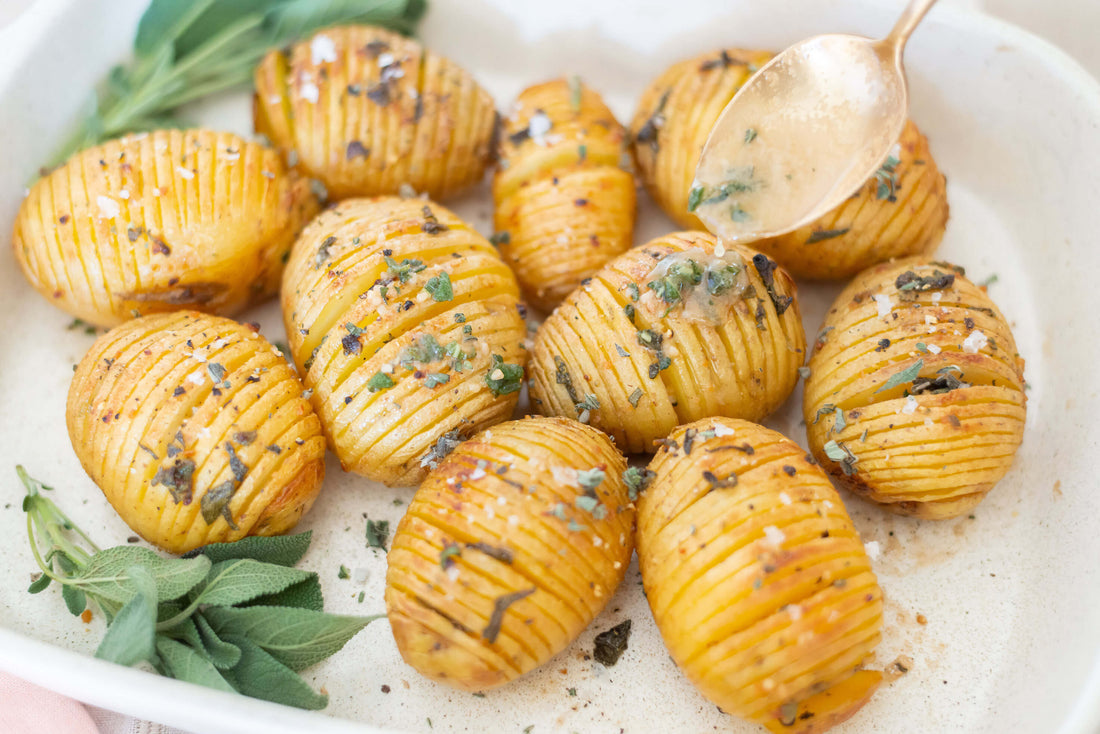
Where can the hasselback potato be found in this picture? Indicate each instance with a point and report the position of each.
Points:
(757, 578)
(196, 430)
(915, 398)
(901, 211)
(564, 207)
(670, 332)
(365, 110)
(405, 325)
(161, 221)
(511, 546)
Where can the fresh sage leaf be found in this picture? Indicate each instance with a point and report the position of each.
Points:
(106, 575)
(74, 598)
(131, 636)
(186, 631)
(296, 637)
(243, 579)
(282, 550)
(39, 584)
(221, 653)
(185, 663)
(303, 595)
(260, 675)
(164, 20)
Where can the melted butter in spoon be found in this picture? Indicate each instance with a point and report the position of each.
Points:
(805, 127)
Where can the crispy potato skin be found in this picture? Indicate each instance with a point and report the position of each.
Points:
(497, 517)
(159, 222)
(564, 206)
(744, 363)
(927, 455)
(895, 214)
(757, 578)
(146, 400)
(377, 112)
(352, 317)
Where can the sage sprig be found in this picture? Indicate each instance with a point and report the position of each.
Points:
(188, 49)
(232, 616)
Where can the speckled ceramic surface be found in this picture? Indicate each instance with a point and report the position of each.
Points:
(1010, 599)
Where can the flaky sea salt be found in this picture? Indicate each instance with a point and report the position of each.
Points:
(873, 549)
(108, 207)
(310, 92)
(882, 300)
(322, 49)
(975, 342)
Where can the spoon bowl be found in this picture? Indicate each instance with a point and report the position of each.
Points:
(805, 133)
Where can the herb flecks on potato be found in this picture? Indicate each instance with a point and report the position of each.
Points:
(365, 110)
(196, 430)
(161, 221)
(670, 332)
(564, 206)
(405, 324)
(915, 398)
(902, 210)
(510, 548)
(757, 579)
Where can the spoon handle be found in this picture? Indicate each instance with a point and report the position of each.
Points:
(907, 23)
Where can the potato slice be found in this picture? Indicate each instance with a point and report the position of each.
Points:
(670, 332)
(406, 326)
(196, 430)
(901, 211)
(161, 221)
(564, 207)
(915, 398)
(510, 548)
(366, 110)
(757, 578)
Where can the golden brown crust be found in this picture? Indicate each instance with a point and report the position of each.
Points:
(366, 110)
(931, 448)
(159, 222)
(757, 579)
(901, 211)
(398, 316)
(650, 367)
(505, 556)
(196, 430)
(564, 207)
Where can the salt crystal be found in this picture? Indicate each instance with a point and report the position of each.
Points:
(124, 194)
(934, 349)
(975, 342)
(384, 60)
(795, 611)
(186, 173)
(538, 127)
(910, 405)
(784, 498)
(873, 549)
(721, 430)
(322, 49)
(884, 304)
(108, 207)
(310, 92)
(774, 535)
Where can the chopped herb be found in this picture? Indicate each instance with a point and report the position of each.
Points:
(79, 324)
(500, 238)
(586, 406)
(804, 373)
(571, 691)
(766, 268)
(840, 453)
(460, 318)
(431, 224)
(635, 396)
(984, 284)
(921, 347)
(562, 377)
(825, 409)
(350, 342)
(839, 424)
(343, 572)
(689, 440)
(215, 503)
(501, 554)
(637, 480)
(217, 371)
(244, 438)
(500, 606)
(662, 364)
(436, 378)
(440, 287)
(588, 504)
(943, 383)
(819, 235)
(235, 464)
(355, 149)
(575, 91)
(628, 309)
(679, 276)
(908, 374)
(447, 555)
(378, 531)
(425, 350)
(750, 135)
(741, 182)
(632, 291)
(621, 352)
(589, 479)
(724, 61)
(650, 339)
(650, 129)
(441, 449)
(177, 478)
(503, 378)
(887, 179)
(695, 198)
(716, 483)
(322, 255)
(611, 644)
(910, 281)
(402, 271)
(720, 280)
(380, 381)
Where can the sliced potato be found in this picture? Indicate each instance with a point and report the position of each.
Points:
(406, 326)
(366, 110)
(511, 546)
(564, 207)
(670, 332)
(196, 430)
(902, 210)
(161, 221)
(757, 578)
(915, 398)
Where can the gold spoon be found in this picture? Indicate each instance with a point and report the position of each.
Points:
(804, 133)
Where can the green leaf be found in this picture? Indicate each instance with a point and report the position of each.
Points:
(217, 18)
(242, 579)
(260, 675)
(107, 577)
(39, 584)
(439, 287)
(186, 631)
(296, 18)
(296, 637)
(164, 20)
(74, 598)
(282, 550)
(221, 653)
(185, 663)
(131, 636)
(908, 374)
(304, 595)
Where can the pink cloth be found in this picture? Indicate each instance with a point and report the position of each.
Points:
(28, 709)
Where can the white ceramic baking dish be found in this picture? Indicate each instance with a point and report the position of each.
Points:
(1011, 597)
